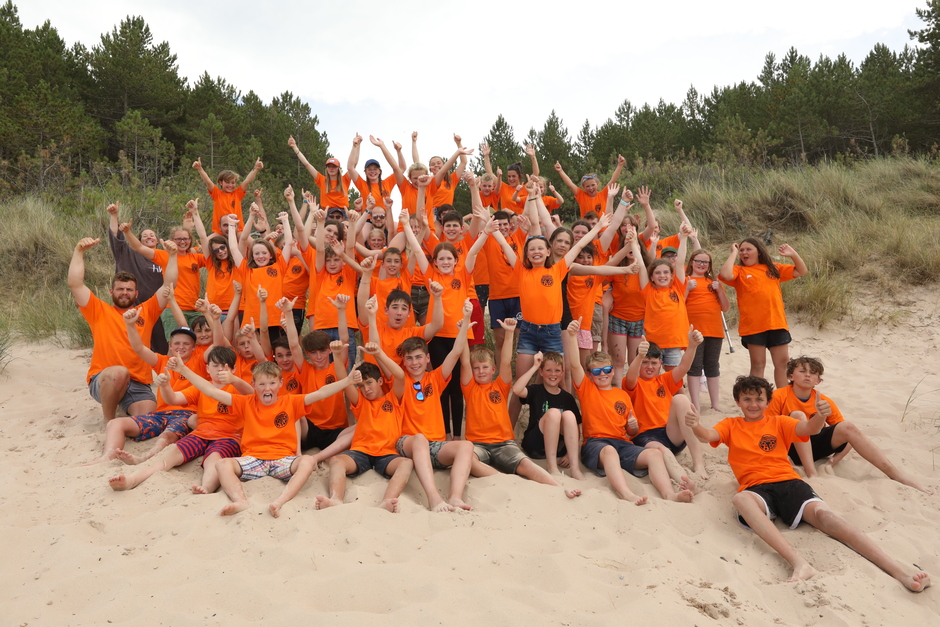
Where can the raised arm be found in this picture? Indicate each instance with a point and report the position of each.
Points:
(263, 332)
(565, 178)
(530, 150)
(633, 372)
(569, 340)
(130, 323)
(638, 255)
(414, 148)
(460, 343)
(113, 222)
(799, 265)
(319, 238)
(300, 156)
(197, 165)
(168, 291)
(485, 151)
(703, 433)
(234, 247)
(505, 357)
(643, 197)
(727, 268)
(817, 420)
(602, 224)
(623, 206)
(462, 162)
(684, 231)
(228, 327)
(445, 169)
(399, 173)
(251, 175)
(353, 160)
(437, 311)
(134, 243)
(616, 174)
(416, 251)
(76, 275)
(330, 389)
(520, 387)
(679, 372)
(176, 365)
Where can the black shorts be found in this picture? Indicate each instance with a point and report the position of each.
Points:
(533, 443)
(658, 435)
(785, 499)
(774, 337)
(364, 462)
(822, 446)
(318, 438)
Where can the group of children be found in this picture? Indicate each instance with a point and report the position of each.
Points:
(244, 389)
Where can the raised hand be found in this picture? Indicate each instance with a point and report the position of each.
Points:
(262, 294)
(485, 149)
(86, 243)
(644, 346)
(340, 301)
(508, 324)
(573, 327)
(786, 250)
(435, 288)
(131, 315)
(695, 337)
(113, 209)
(643, 195)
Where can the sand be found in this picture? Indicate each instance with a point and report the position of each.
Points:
(77, 553)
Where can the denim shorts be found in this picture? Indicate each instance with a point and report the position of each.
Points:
(671, 356)
(539, 337)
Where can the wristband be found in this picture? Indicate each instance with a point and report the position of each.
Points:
(624, 202)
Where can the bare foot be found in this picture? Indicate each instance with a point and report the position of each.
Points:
(198, 489)
(917, 582)
(121, 482)
(458, 504)
(802, 573)
(687, 484)
(575, 469)
(234, 508)
(572, 493)
(126, 457)
(910, 481)
(324, 501)
(441, 508)
(718, 409)
(684, 496)
(639, 500)
(701, 472)
(275, 509)
(390, 504)
(104, 458)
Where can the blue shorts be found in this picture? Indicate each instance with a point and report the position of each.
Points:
(157, 422)
(539, 337)
(503, 309)
(254, 468)
(364, 462)
(192, 446)
(671, 356)
(658, 435)
(136, 392)
(334, 335)
(628, 451)
(619, 326)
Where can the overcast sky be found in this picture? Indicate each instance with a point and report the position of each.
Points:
(381, 68)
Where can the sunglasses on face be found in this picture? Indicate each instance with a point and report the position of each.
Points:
(419, 395)
(605, 370)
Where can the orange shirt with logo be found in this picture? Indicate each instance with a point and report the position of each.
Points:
(629, 302)
(325, 315)
(424, 416)
(540, 292)
(329, 413)
(214, 420)
(338, 196)
(224, 203)
(704, 308)
(760, 301)
(457, 289)
(666, 320)
(603, 412)
(109, 337)
(378, 425)
(269, 431)
(651, 400)
(596, 203)
(487, 412)
(757, 451)
(378, 191)
(187, 285)
(177, 381)
(785, 401)
(271, 278)
(502, 275)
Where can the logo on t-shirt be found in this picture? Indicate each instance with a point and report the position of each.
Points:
(330, 379)
(621, 408)
(496, 397)
(589, 282)
(222, 408)
(195, 268)
(297, 269)
(597, 209)
(547, 280)
(399, 351)
(339, 281)
(455, 284)
(140, 321)
(514, 246)
(673, 296)
(387, 407)
(661, 392)
(292, 385)
(768, 442)
(280, 421)
(428, 390)
(272, 271)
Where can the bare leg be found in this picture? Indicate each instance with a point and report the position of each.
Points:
(848, 433)
(161, 442)
(820, 516)
(114, 434)
(459, 456)
(751, 508)
(713, 392)
(416, 447)
(572, 435)
(499, 336)
(479, 469)
(340, 466)
(679, 432)
(633, 346)
(229, 473)
(530, 470)
(758, 355)
(618, 354)
(401, 471)
(610, 460)
(342, 442)
(112, 385)
(169, 458)
(302, 468)
(695, 391)
(550, 426)
(523, 364)
(652, 460)
(607, 303)
(805, 451)
(780, 356)
(210, 475)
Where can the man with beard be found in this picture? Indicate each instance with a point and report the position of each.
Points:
(117, 376)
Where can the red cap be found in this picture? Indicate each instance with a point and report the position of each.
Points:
(333, 161)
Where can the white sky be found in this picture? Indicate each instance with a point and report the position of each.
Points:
(383, 68)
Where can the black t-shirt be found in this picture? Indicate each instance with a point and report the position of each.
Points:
(540, 401)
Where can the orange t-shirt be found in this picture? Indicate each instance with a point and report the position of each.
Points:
(325, 315)
(540, 292)
(757, 451)
(109, 337)
(457, 289)
(784, 402)
(390, 339)
(629, 303)
(442, 194)
(603, 412)
(338, 197)
(378, 191)
(214, 420)
(666, 321)
(666, 242)
(381, 288)
(505, 198)
(760, 302)
(243, 368)
(651, 400)
(409, 197)
(488, 412)
(596, 203)
(424, 417)
(378, 425)
(296, 281)
(292, 384)
(187, 284)
(271, 278)
(463, 246)
(219, 289)
(583, 293)
(502, 275)
(704, 308)
(491, 200)
(329, 413)
(225, 203)
(270, 431)
(177, 381)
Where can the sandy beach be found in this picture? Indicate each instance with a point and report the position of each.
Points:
(77, 553)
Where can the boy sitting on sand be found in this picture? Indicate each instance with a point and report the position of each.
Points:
(378, 427)
(271, 437)
(769, 487)
(838, 437)
(608, 419)
(488, 423)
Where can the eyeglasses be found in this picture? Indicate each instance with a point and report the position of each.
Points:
(699, 262)
(605, 370)
(419, 395)
(182, 239)
(220, 247)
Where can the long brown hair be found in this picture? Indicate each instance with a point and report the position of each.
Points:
(763, 256)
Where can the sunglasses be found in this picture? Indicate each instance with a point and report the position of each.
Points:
(536, 237)
(605, 370)
(588, 177)
(419, 395)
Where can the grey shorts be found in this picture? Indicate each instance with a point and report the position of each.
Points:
(597, 323)
(136, 392)
(503, 456)
(434, 448)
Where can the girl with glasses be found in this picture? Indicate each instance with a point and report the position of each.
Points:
(705, 300)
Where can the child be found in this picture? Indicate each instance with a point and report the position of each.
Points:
(398, 311)
(227, 195)
(217, 431)
(488, 424)
(838, 437)
(334, 278)
(660, 409)
(333, 185)
(378, 427)
(423, 436)
(608, 420)
(271, 437)
(514, 178)
(763, 322)
(220, 271)
(587, 196)
(769, 487)
(705, 301)
(553, 430)
(372, 184)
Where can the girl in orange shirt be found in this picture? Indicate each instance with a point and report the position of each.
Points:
(333, 186)
(372, 184)
(705, 300)
(763, 322)
(514, 178)
(588, 196)
(628, 307)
